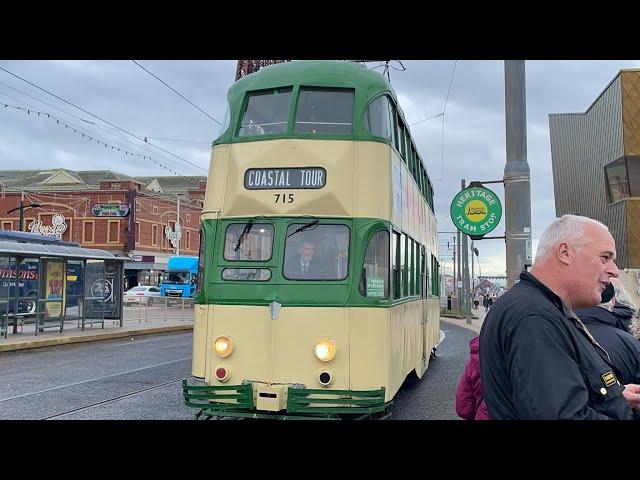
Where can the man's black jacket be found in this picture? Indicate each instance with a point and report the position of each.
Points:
(609, 330)
(538, 364)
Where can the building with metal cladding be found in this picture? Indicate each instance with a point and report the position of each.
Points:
(596, 165)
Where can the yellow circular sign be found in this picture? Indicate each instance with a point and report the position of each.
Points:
(476, 210)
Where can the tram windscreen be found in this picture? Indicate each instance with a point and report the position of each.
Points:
(245, 244)
(266, 113)
(324, 110)
(318, 253)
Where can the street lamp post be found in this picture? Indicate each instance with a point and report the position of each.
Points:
(22, 208)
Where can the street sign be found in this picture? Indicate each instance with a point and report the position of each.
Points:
(110, 210)
(476, 211)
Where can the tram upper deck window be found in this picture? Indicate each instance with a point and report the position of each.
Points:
(266, 112)
(325, 110)
(377, 119)
(248, 242)
(317, 253)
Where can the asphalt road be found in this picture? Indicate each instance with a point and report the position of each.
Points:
(61, 382)
(433, 396)
(139, 379)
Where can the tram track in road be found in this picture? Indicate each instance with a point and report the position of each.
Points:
(74, 384)
(110, 400)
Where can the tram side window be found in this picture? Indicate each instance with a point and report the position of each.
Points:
(248, 243)
(395, 255)
(317, 253)
(424, 274)
(374, 281)
(266, 113)
(325, 110)
(403, 265)
(411, 266)
(377, 118)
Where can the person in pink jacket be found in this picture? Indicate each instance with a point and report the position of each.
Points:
(470, 404)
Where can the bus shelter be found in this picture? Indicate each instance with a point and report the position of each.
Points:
(50, 284)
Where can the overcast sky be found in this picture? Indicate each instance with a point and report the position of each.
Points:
(123, 94)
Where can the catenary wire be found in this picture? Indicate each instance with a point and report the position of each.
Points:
(176, 92)
(100, 118)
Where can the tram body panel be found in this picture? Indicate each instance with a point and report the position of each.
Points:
(200, 338)
(372, 181)
(281, 350)
(334, 199)
(217, 180)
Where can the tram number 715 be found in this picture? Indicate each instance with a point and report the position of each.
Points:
(284, 197)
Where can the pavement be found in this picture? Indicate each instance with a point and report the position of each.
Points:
(136, 321)
(476, 323)
(141, 321)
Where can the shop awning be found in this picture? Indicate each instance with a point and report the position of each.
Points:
(38, 250)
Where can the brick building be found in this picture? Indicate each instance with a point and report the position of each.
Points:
(110, 211)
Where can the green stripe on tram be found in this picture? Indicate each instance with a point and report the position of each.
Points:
(312, 293)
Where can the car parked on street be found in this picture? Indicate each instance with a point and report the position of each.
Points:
(141, 295)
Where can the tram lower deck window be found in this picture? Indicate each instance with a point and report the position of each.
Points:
(317, 253)
(374, 282)
(248, 242)
(246, 274)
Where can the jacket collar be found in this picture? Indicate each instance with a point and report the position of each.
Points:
(527, 277)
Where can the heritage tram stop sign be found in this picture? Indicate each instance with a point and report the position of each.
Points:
(476, 211)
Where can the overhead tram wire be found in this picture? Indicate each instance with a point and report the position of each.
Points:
(444, 111)
(176, 92)
(83, 132)
(119, 135)
(101, 119)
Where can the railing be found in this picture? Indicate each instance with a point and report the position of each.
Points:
(164, 308)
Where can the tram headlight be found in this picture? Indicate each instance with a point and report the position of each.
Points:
(325, 350)
(223, 346)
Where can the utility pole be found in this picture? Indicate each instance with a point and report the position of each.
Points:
(465, 271)
(517, 189)
(458, 279)
(473, 280)
(454, 291)
(22, 212)
(178, 229)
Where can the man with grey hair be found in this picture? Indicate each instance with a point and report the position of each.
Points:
(537, 358)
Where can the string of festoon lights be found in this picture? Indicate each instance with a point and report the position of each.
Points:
(87, 136)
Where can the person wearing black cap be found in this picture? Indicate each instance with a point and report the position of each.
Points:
(609, 324)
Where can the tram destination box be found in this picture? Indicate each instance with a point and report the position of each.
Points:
(289, 177)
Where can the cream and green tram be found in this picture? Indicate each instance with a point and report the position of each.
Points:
(318, 283)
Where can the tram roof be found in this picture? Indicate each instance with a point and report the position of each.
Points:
(65, 251)
(334, 73)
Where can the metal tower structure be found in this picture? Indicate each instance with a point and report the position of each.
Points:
(245, 67)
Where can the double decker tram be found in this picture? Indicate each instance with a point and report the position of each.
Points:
(319, 279)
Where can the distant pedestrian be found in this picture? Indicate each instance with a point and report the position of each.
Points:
(470, 404)
(489, 302)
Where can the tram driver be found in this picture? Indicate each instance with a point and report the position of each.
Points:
(305, 264)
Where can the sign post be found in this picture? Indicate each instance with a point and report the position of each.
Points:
(476, 211)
